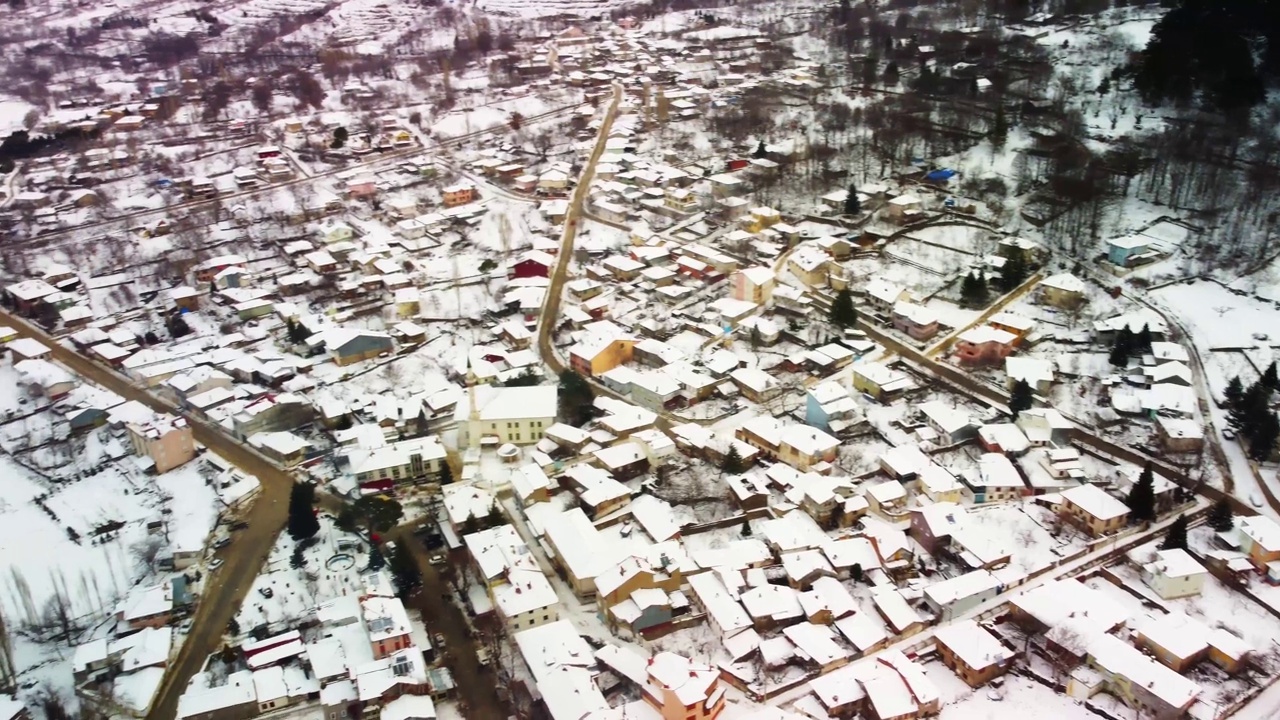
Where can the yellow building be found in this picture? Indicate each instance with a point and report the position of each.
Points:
(761, 218)
(598, 355)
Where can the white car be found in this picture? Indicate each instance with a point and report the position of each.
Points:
(215, 563)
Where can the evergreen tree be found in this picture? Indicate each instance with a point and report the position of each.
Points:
(1142, 497)
(378, 513)
(404, 571)
(577, 399)
(1262, 437)
(891, 74)
(869, 67)
(973, 290)
(746, 529)
(1232, 394)
(446, 474)
(1175, 538)
(733, 463)
(1221, 518)
(999, 128)
(843, 314)
(1143, 342)
(377, 560)
(760, 152)
(495, 516)
(1021, 398)
(1269, 378)
(1122, 348)
(1249, 411)
(851, 204)
(302, 517)
(855, 572)
(1015, 270)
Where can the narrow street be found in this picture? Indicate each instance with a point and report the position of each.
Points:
(225, 588)
(477, 685)
(551, 306)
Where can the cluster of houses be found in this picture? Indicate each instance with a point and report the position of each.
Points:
(358, 655)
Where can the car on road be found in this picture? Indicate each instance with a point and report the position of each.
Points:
(482, 654)
(438, 639)
(215, 564)
(240, 525)
(222, 543)
(436, 559)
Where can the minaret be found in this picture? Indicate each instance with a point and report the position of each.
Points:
(473, 418)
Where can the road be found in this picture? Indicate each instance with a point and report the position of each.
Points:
(224, 589)
(551, 306)
(477, 685)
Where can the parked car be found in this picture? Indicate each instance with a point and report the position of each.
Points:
(222, 543)
(436, 559)
(215, 564)
(240, 525)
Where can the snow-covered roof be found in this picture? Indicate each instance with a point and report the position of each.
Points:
(1095, 501)
(996, 470)
(238, 690)
(961, 587)
(1121, 659)
(895, 608)
(1261, 530)
(525, 590)
(973, 644)
(561, 663)
(818, 642)
(725, 611)
(1065, 282)
(498, 550)
(984, 334)
(384, 617)
(1072, 610)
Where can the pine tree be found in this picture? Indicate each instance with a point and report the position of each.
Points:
(404, 571)
(577, 399)
(302, 517)
(1021, 398)
(1175, 538)
(1221, 518)
(1000, 128)
(1122, 348)
(1269, 377)
(891, 74)
(1232, 394)
(1142, 497)
(760, 152)
(733, 463)
(855, 572)
(446, 474)
(495, 516)
(1143, 342)
(1263, 436)
(973, 290)
(1251, 408)
(756, 339)
(843, 314)
(852, 206)
(1015, 270)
